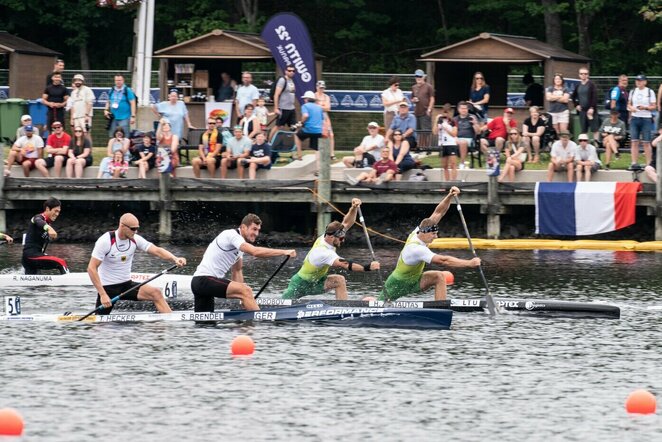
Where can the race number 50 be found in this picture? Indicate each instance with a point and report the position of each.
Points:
(12, 305)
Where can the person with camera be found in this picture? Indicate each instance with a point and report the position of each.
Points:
(120, 109)
(446, 131)
(81, 101)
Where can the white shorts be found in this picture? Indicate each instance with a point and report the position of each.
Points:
(560, 117)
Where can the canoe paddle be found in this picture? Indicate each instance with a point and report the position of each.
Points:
(135, 287)
(372, 252)
(491, 305)
(272, 276)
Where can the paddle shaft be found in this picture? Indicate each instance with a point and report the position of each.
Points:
(272, 276)
(136, 287)
(367, 238)
(491, 305)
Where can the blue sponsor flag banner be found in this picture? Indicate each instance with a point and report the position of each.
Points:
(288, 39)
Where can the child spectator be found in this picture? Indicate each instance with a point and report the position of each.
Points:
(118, 167)
(147, 152)
(262, 114)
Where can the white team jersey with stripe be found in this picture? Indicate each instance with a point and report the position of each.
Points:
(116, 259)
(221, 254)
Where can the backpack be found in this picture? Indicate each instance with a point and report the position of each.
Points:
(272, 88)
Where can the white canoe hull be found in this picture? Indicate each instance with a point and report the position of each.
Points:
(170, 284)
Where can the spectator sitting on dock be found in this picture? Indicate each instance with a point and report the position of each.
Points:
(651, 168)
(168, 141)
(612, 134)
(147, 152)
(238, 147)
(364, 153)
(26, 150)
(209, 150)
(498, 128)
(533, 129)
(26, 120)
(563, 157)
(57, 148)
(467, 128)
(118, 167)
(405, 123)
(382, 171)
(399, 152)
(586, 158)
(79, 155)
(118, 143)
(259, 157)
(515, 156)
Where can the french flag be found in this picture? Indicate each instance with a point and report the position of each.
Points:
(584, 208)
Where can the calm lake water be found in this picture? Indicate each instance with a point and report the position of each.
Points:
(510, 378)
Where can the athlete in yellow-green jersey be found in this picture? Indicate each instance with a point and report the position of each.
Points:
(313, 278)
(408, 276)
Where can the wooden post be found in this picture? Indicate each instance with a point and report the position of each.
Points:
(493, 206)
(658, 193)
(165, 200)
(324, 186)
(3, 213)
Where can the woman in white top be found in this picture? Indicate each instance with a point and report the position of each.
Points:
(250, 124)
(446, 130)
(118, 142)
(391, 98)
(515, 156)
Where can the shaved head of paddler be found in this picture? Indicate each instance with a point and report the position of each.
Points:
(225, 254)
(110, 265)
(313, 278)
(408, 276)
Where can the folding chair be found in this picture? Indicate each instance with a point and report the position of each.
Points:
(283, 141)
(191, 142)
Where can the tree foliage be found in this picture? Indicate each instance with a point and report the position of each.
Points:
(355, 35)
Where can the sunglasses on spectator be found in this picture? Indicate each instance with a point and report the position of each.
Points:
(290, 70)
(397, 133)
(211, 122)
(514, 133)
(78, 130)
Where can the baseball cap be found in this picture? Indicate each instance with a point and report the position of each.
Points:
(564, 133)
(641, 77)
(238, 127)
(404, 103)
(373, 124)
(79, 77)
(29, 128)
(309, 94)
(56, 124)
(26, 117)
(509, 110)
(582, 137)
(321, 83)
(419, 73)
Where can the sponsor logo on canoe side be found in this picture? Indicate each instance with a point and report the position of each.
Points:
(338, 311)
(314, 305)
(508, 304)
(531, 305)
(465, 302)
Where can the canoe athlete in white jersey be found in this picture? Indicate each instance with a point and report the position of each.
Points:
(110, 265)
(225, 253)
(408, 276)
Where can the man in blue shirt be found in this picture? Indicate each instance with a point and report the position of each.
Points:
(312, 118)
(405, 123)
(121, 107)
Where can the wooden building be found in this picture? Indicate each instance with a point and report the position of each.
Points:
(28, 65)
(451, 68)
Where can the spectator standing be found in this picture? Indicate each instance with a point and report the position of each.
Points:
(641, 102)
(247, 93)
(399, 152)
(558, 97)
(479, 95)
(364, 153)
(25, 150)
(422, 94)
(391, 99)
(227, 88)
(81, 99)
(262, 114)
(498, 128)
(119, 142)
(563, 157)
(284, 102)
(26, 120)
(446, 132)
(209, 150)
(121, 107)
(585, 98)
(535, 93)
(58, 68)
(515, 156)
(259, 157)
(312, 120)
(612, 133)
(533, 129)
(249, 122)
(405, 123)
(79, 154)
(586, 158)
(325, 103)
(618, 98)
(57, 148)
(175, 111)
(147, 152)
(238, 147)
(55, 98)
(467, 128)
